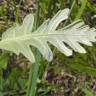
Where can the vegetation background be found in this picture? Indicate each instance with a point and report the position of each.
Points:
(64, 76)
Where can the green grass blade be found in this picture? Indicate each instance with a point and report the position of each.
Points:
(80, 11)
(3, 60)
(87, 92)
(32, 79)
(83, 68)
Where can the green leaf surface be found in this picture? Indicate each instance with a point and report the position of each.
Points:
(3, 61)
(87, 92)
(83, 68)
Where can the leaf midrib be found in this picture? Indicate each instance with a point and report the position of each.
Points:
(29, 36)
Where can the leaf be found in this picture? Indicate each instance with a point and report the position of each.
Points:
(81, 9)
(83, 68)
(3, 61)
(87, 92)
(19, 38)
(33, 75)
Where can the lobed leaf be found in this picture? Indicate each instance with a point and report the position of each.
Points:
(20, 38)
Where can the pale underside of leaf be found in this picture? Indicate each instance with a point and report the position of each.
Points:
(20, 38)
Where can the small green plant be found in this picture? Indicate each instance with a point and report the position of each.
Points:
(20, 39)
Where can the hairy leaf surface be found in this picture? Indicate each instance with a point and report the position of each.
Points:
(20, 38)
